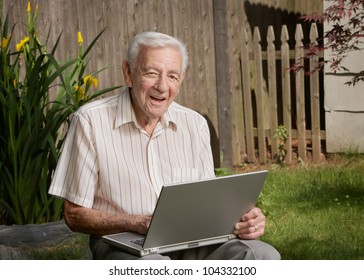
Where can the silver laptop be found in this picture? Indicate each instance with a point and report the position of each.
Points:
(194, 214)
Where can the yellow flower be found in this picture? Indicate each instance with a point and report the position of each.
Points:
(4, 42)
(22, 43)
(28, 8)
(91, 80)
(81, 90)
(79, 38)
(14, 83)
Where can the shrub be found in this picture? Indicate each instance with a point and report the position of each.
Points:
(37, 96)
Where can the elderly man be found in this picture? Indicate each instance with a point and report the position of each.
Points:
(121, 150)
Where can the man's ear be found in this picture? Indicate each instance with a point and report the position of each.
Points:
(182, 78)
(127, 73)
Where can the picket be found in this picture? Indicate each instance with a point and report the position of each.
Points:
(248, 112)
(300, 96)
(315, 100)
(272, 88)
(286, 91)
(259, 96)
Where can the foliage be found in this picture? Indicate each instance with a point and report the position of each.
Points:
(37, 96)
(346, 18)
(282, 136)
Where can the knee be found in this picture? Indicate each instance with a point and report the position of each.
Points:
(269, 253)
(155, 257)
(262, 251)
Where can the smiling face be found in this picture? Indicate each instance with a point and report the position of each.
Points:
(154, 82)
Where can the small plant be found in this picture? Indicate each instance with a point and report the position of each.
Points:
(37, 96)
(281, 135)
(222, 171)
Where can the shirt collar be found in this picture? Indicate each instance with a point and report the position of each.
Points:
(125, 112)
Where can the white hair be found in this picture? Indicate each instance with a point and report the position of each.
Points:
(155, 39)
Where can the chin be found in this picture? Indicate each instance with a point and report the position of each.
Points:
(157, 113)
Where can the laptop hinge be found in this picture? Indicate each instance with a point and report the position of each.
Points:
(232, 236)
(153, 250)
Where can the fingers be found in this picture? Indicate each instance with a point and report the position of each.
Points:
(142, 223)
(252, 225)
(250, 231)
(252, 214)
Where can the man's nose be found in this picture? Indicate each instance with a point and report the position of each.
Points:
(162, 83)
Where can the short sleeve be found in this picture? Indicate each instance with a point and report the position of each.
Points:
(75, 177)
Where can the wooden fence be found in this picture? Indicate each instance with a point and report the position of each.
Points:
(260, 138)
(206, 27)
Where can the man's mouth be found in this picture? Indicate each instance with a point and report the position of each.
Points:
(157, 98)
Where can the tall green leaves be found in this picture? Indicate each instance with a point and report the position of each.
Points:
(31, 120)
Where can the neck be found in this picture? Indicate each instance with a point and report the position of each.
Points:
(149, 126)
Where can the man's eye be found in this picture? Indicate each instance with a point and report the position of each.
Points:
(174, 77)
(151, 74)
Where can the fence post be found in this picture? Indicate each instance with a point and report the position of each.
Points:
(286, 92)
(223, 80)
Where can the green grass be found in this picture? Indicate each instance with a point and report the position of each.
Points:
(75, 248)
(316, 212)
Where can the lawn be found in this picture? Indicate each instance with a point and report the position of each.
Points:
(316, 212)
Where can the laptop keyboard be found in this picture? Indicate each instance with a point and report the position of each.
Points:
(138, 241)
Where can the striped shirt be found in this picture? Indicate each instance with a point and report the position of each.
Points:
(111, 164)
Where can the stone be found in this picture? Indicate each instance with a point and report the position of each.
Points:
(40, 241)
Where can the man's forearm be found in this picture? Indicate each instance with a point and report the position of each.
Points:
(94, 222)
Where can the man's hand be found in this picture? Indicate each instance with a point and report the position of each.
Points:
(251, 225)
(141, 224)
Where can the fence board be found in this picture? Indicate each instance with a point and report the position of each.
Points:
(238, 126)
(286, 92)
(315, 100)
(222, 83)
(114, 20)
(300, 96)
(272, 88)
(248, 110)
(259, 96)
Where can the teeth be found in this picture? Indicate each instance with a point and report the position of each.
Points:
(159, 98)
